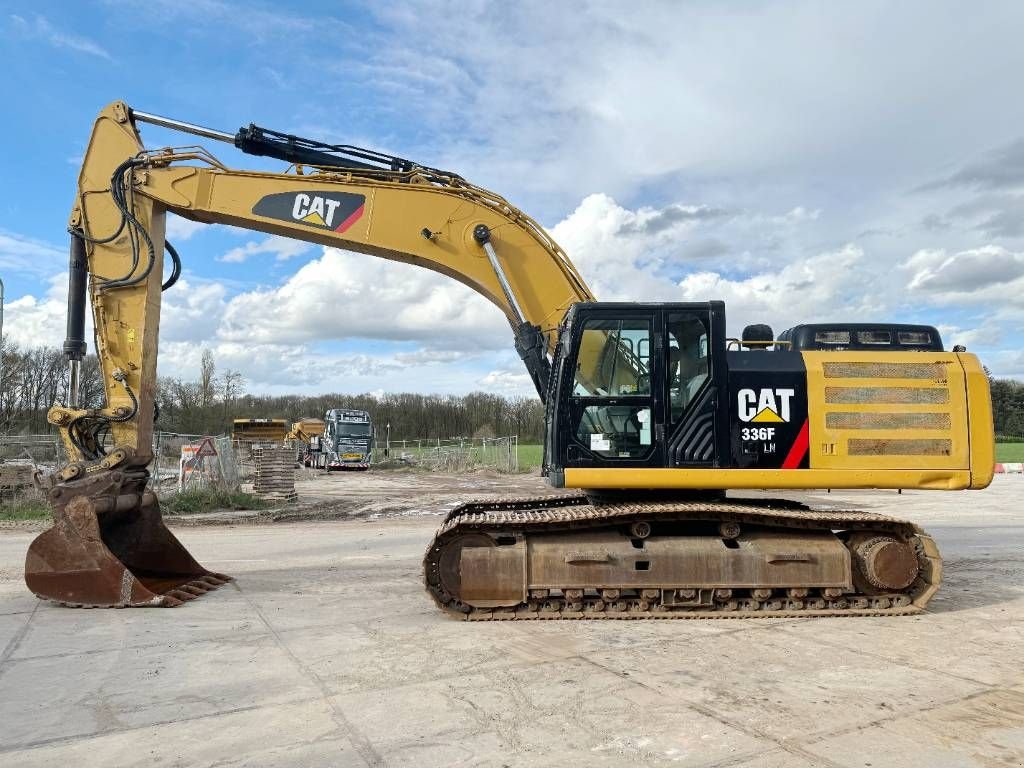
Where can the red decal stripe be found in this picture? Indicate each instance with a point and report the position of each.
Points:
(350, 220)
(798, 451)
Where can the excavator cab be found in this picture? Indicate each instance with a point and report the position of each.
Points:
(637, 385)
(655, 396)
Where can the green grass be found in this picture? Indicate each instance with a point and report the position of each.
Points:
(24, 508)
(530, 457)
(210, 499)
(1009, 452)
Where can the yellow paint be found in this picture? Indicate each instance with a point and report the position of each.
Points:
(306, 429)
(314, 218)
(190, 183)
(982, 431)
(723, 479)
(830, 447)
(126, 319)
(767, 416)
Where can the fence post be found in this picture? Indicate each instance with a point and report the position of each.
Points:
(156, 459)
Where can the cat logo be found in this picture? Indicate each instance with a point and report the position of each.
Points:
(764, 406)
(336, 211)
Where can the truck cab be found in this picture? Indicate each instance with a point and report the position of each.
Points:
(348, 440)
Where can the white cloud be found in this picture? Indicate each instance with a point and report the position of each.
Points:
(623, 258)
(786, 89)
(988, 335)
(28, 256)
(261, 364)
(966, 272)
(39, 27)
(430, 357)
(504, 382)
(192, 310)
(281, 247)
(40, 321)
(827, 287)
(179, 229)
(33, 322)
(303, 368)
(344, 295)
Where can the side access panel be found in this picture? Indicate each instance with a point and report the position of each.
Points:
(890, 410)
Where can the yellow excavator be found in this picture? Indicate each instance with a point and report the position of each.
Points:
(653, 413)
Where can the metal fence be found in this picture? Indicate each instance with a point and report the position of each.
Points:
(233, 463)
(46, 452)
(457, 454)
(42, 451)
(221, 470)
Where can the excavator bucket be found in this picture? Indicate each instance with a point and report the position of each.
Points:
(98, 555)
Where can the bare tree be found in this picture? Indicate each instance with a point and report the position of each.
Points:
(207, 379)
(34, 378)
(90, 388)
(232, 386)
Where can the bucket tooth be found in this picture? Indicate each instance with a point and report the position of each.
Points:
(100, 553)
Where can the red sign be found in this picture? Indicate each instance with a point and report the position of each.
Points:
(206, 448)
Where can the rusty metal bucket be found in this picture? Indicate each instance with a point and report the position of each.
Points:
(113, 551)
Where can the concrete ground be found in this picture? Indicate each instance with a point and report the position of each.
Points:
(326, 651)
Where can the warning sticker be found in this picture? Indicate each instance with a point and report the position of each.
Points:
(598, 442)
(644, 417)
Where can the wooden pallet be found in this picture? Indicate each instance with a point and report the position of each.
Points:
(275, 473)
(16, 477)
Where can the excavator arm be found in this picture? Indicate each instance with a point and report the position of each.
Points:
(108, 545)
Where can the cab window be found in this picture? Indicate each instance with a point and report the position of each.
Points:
(687, 368)
(613, 363)
(614, 359)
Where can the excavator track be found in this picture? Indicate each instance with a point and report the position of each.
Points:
(491, 523)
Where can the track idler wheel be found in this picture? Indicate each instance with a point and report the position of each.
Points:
(883, 563)
(113, 553)
(449, 559)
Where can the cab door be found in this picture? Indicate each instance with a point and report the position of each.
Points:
(615, 404)
(696, 413)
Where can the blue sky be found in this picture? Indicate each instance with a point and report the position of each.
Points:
(802, 161)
